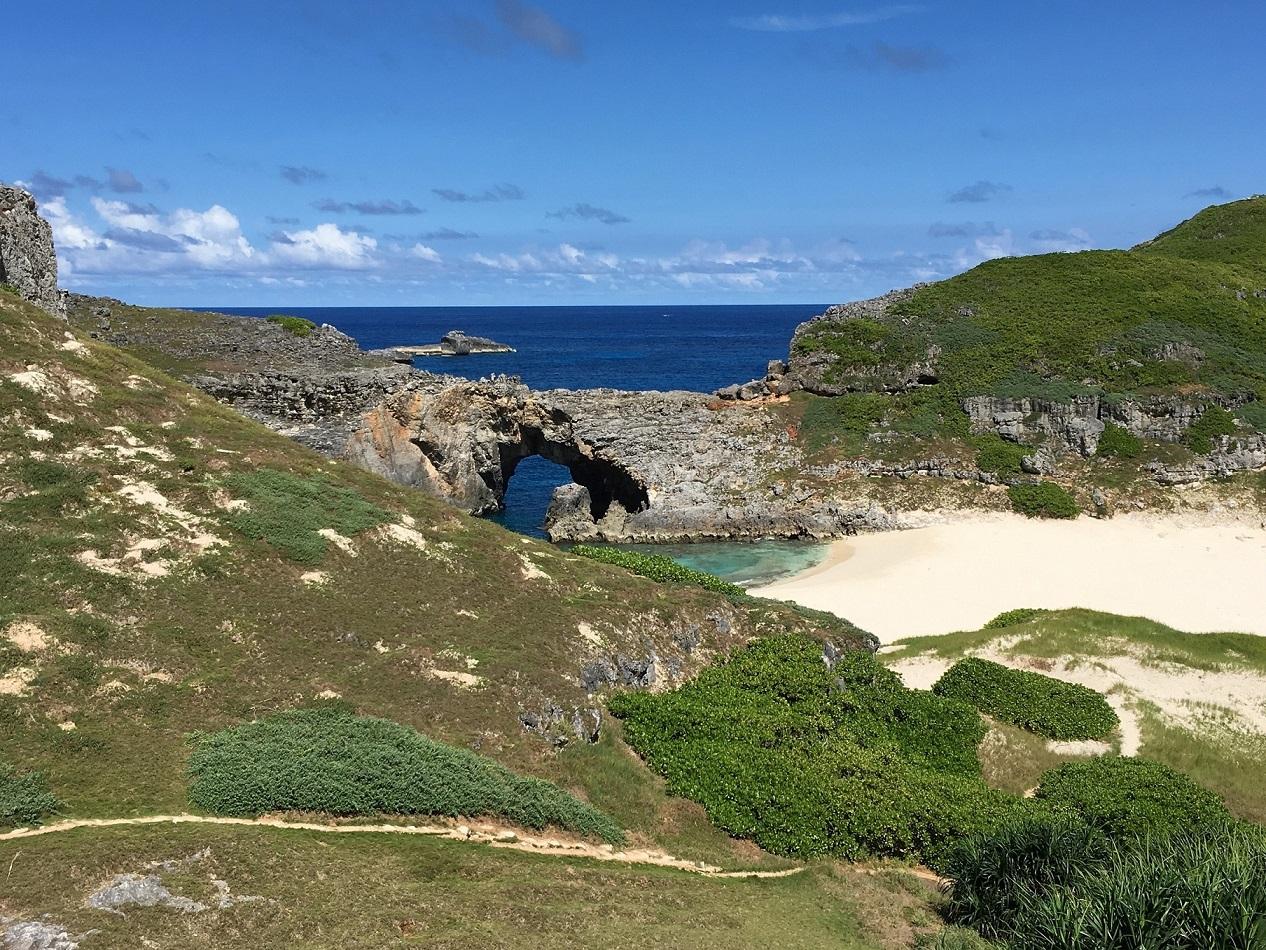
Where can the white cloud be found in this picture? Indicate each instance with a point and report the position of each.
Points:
(326, 245)
(427, 253)
(781, 23)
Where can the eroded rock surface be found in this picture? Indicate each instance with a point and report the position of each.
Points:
(646, 466)
(28, 262)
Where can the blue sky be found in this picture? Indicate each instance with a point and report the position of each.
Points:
(389, 152)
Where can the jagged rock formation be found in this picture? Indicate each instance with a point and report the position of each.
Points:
(28, 261)
(646, 466)
(452, 343)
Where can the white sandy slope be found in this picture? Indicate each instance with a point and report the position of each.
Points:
(1202, 576)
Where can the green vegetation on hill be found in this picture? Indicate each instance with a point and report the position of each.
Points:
(1183, 315)
(657, 567)
(1038, 703)
(1058, 884)
(296, 325)
(1043, 500)
(327, 760)
(807, 759)
(24, 797)
(288, 512)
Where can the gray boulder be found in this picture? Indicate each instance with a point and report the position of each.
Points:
(28, 262)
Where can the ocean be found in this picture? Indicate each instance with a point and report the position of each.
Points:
(697, 348)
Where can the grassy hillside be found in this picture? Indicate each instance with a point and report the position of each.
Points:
(1185, 311)
(168, 567)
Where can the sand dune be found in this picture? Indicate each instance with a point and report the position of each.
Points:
(1197, 575)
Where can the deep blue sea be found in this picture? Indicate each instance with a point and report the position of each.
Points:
(698, 348)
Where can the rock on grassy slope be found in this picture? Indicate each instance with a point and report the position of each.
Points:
(167, 566)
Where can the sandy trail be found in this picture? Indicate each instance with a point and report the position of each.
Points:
(491, 835)
(1199, 576)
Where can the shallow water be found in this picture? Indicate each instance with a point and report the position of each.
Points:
(747, 563)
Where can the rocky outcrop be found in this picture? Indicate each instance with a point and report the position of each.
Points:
(646, 466)
(1232, 454)
(28, 262)
(452, 343)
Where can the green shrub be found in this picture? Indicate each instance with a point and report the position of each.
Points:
(1043, 500)
(24, 797)
(844, 420)
(287, 511)
(809, 759)
(1038, 703)
(8, 289)
(997, 455)
(296, 325)
(1121, 796)
(1213, 423)
(56, 488)
(1011, 618)
(329, 760)
(1119, 442)
(657, 567)
(1059, 885)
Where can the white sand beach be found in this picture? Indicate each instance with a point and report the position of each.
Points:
(1197, 575)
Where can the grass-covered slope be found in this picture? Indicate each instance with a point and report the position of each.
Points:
(167, 566)
(1187, 310)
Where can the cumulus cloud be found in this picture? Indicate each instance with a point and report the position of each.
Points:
(1216, 191)
(123, 182)
(587, 212)
(325, 246)
(301, 174)
(979, 192)
(943, 229)
(782, 23)
(535, 27)
(426, 253)
(387, 207)
(501, 192)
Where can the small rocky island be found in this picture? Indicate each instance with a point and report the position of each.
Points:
(452, 343)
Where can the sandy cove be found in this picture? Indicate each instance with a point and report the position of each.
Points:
(1196, 573)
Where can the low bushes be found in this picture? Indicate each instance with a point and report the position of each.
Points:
(296, 325)
(657, 567)
(1043, 500)
(807, 759)
(1213, 423)
(997, 455)
(1010, 618)
(1125, 796)
(1038, 703)
(1119, 442)
(288, 512)
(8, 289)
(329, 760)
(24, 797)
(1058, 884)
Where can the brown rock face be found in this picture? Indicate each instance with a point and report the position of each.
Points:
(28, 262)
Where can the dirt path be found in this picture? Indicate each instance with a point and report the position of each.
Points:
(492, 835)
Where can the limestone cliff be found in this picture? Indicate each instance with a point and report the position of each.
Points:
(28, 262)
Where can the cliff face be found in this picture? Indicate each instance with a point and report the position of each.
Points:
(28, 262)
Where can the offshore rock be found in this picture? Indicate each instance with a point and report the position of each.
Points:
(28, 262)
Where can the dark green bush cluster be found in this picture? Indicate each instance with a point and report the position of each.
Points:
(1058, 884)
(329, 760)
(1213, 423)
(296, 325)
(8, 289)
(1010, 618)
(24, 797)
(1043, 500)
(657, 567)
(287, 511)
(997, 455)
(1038, 703)
(1129, 796)
(1118, 442)
(809, 759)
